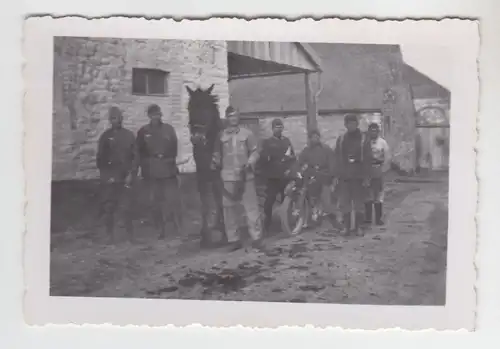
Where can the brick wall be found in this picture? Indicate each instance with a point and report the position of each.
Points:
(91, 74)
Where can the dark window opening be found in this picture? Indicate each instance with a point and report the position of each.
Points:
(149, 82)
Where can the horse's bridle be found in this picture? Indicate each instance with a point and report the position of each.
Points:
(198, 135)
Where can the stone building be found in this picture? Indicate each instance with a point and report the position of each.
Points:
(92, 74)
(356, 78)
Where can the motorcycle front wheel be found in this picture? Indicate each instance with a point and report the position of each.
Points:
(294, 213)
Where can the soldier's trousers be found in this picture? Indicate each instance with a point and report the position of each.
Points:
(116, 197)
(376, 190)
(165, 201)
(211, 202)
(242, 212)
(274, 187)
(351, 195)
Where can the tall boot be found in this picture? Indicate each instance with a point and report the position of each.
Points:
(378, 213)
(346, 220)
(110, 226)
(160, 224)
(206, 239)
(332, 219)
(368, 212)
(177, 218)
(359, 224)
(129, 228)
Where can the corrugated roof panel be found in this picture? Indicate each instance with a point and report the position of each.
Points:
(286, 53)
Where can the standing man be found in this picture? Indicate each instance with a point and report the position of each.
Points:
(157, 144)
(381, 159)
(237, 155)
(276, 157)
(117, 164)
(353, 170)
(320, 163)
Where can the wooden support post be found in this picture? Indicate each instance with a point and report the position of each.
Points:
(312, 123)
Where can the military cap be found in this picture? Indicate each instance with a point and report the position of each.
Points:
(350, 117)
(277, 122)
(154, 109)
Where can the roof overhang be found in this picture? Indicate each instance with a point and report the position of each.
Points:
(248, 59)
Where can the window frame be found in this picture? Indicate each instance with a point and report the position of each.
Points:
(145, 73)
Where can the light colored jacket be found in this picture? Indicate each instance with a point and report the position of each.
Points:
(238, 148)
(381, 155)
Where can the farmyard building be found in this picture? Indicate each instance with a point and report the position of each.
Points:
(92, 74)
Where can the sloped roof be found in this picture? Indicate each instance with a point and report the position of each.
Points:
(354, 76)
(423, 86)
(270, 58)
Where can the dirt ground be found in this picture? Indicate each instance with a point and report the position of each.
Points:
(402, 263)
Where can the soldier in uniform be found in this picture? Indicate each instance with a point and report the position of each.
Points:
(157, 146)
(320, 163)
(276, 157)
(117, 164)
(353, 170)
(236, 155)
(381, 159)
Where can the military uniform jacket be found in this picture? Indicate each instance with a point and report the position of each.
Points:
(276, 157)
(158, 148)
(320, 161)
(116, 154)
(236, 148)
(353, 156)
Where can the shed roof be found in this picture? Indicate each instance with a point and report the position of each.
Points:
(354, 77)
(248, 59)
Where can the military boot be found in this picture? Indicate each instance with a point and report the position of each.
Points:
(368, 212)
(110, 227)
(358, 224)
(378, 213)
(129, 228)
(346, 220)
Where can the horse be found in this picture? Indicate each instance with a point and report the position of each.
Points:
(205, 125)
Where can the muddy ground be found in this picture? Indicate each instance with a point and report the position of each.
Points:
(401, 263)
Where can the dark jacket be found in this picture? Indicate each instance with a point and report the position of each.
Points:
(158, 148)
(276, 157)
(320, 161)
(353, 157)
(116, 154)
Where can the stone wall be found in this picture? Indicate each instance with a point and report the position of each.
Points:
(400, 130)
(330, 126)
(400, 133)
(92, 74)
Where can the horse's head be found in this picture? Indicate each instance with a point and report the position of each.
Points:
(204, 118)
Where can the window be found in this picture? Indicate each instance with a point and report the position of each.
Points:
(149, 82)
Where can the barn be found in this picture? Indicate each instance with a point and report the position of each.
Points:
(92, 74)
(364, 79)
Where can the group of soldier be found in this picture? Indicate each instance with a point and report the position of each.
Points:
(354, 170)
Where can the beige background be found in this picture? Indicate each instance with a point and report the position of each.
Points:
(461, 38)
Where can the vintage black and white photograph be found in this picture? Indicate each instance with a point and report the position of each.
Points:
(281, 171)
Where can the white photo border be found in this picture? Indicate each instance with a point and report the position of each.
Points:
(461, 36)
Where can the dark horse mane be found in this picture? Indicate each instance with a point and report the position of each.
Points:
(204, 125)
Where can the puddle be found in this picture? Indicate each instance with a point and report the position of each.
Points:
(314, 288)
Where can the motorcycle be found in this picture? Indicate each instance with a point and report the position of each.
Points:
(297, 211)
